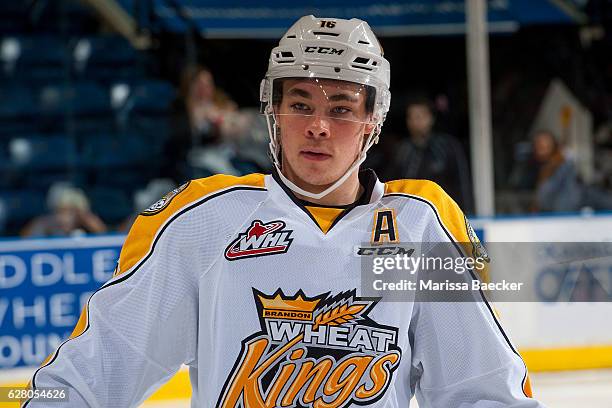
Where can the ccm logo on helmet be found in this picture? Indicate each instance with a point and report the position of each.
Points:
(323, 50)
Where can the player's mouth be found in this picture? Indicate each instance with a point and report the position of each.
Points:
(314, 154)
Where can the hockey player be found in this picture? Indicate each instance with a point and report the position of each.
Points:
(254, 282)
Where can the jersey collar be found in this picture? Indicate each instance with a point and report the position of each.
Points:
(373, 192)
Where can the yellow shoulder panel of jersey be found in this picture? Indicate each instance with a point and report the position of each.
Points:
(143, 232)
(449, 213)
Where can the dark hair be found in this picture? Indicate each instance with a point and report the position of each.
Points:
(420, 100)
(188, 75)
(277, 94)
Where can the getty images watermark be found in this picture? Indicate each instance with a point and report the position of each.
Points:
(463, 272)
(432, 264)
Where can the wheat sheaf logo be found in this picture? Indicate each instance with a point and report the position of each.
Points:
(315, 352)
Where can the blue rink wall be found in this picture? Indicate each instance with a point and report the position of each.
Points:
(44, 284)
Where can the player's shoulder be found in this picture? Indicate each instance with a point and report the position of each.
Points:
(195, 190)
(443, 208)
(423, 190)
(445, 212)
(150, 222)
(220, 182)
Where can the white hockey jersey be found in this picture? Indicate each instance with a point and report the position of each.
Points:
(260, 296)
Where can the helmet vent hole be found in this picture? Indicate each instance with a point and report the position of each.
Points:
(337, 69)
(363, 42)
(291, 36)
(325, 33)
(305, 67)
(363, 63)
(284, 57)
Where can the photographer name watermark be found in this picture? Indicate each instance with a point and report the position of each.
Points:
(431, 285)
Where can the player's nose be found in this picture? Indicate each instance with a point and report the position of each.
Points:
(318, 127)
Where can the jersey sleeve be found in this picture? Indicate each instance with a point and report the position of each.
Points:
(137, 329)
(461, 356)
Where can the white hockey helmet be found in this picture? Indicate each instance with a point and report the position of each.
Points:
(328, 48)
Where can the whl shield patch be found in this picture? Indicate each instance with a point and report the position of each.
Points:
(260, 239)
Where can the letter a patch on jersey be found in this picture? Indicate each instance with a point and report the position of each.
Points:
(384, 227)
(260, 239)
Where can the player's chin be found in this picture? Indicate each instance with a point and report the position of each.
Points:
(320, 177)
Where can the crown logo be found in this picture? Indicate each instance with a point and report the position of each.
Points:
(298, 303)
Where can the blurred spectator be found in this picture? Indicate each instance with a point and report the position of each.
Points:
(247, 131)
(198, 117)
(524, 174)
(426, 154)
(70, 215)
(558, 187)
(603, 156)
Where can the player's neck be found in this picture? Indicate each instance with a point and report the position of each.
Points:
(347, 193)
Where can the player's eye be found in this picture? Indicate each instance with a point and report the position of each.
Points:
(300, 107)
(340, 110)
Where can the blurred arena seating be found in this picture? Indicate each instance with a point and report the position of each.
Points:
(75, 106)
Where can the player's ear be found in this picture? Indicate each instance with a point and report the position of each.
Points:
(369, 128)
(366, 135)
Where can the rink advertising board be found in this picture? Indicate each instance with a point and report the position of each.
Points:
(44, 284)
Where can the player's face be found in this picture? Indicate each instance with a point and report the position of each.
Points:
(323, 124)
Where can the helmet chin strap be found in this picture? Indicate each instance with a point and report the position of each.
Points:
(372, 139)
(317, 196)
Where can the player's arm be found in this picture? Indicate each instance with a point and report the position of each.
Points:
(135, 331)
(461, 355)
(462, 358)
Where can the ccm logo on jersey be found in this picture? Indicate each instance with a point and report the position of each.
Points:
(384, 251)
(260, 239)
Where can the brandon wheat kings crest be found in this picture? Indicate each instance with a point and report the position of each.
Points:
(313, 352)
